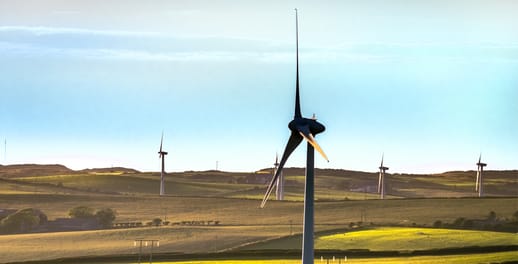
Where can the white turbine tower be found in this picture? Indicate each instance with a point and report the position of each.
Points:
(479, 182)
(161, 154)
(279, 192)
(381, 179)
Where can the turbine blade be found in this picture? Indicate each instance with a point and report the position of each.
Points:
(382, 155)
(304, 131)
(479, 157)
(161, 141)
(298, 114)
(293, 142)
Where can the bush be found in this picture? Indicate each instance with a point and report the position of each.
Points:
(437, 223)
(106, 216)
(81, 212)
(157, 221)
(459, 222)
(23, 220)
(492, 216)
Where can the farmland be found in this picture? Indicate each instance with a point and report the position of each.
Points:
(343, 210)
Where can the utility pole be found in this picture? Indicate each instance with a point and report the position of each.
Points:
(145, 242)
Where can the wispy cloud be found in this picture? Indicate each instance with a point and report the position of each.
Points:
(39, 31)
(191, 56)
(57, 42)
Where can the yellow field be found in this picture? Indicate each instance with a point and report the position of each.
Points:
(393, 238)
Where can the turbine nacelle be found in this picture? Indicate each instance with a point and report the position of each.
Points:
(311, 125)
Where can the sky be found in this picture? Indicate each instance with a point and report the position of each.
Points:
(89, 84)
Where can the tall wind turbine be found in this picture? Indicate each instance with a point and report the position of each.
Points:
(302, 128)
(381, 179)
(279, 191)
(161, 154)
(479, 183)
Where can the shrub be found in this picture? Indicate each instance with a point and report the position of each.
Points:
(468, 224)
(437, 223)
(81, 212)
(459, 222)
(106, 216)
(157, 221)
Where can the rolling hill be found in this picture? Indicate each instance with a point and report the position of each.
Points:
(330, 184)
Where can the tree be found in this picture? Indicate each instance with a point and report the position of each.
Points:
(437, 223)
(106, 216)
(23, 221)
(81, 212)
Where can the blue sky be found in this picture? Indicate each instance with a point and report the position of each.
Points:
(94, 83)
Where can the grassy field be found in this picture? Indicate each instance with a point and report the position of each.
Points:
(247, 212)
(383, 239)
(394, 239)
(120, 241)
(194, 240)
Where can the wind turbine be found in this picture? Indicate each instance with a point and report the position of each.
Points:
(478, 184)
(279, 191)
(161, 154)
(381, 179)
(302, 128)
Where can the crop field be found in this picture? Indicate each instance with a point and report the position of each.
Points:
(199, 240)
(380, 239)
(395, 239)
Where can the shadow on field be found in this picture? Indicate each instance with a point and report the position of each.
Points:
(279, 254)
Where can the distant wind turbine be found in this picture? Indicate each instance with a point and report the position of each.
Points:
(381, 179)
(479, 182)
(279, 191)
(302, 128)
(161, 154)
